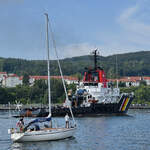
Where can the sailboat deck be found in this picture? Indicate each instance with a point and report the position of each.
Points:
(53, 128)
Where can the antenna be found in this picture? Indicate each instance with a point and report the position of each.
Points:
(116, 68)
(95, 53)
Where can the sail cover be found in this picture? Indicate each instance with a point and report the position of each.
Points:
(40, 120)
(37, 120)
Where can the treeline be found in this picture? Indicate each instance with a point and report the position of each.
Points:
(129, 64)
(38, 93)
(142, 93)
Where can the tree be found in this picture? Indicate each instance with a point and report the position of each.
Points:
(26, 79)
(41, 84)
(71, 87)
(122, 84)
(57, 90)
(79, 76)
(142, 94)
(142, 82)
(3, 96)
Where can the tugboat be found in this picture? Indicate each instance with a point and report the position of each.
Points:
(95, 96)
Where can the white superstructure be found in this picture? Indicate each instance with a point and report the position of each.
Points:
(95, 92)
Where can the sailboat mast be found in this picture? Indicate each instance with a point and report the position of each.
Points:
(48, 64)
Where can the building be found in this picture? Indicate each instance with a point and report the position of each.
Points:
(11, 80)
(32, 79)
(147, 80)
(68, 79)
(132, 81)
(2, 77)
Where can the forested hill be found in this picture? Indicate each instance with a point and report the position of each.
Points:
(129, 64)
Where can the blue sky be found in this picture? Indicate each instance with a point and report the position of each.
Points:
(79, 26)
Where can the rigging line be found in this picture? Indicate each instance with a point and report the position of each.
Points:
(10, 121)
(117, 71)
(56, 53)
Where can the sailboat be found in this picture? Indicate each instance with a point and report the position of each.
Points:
(46, 133)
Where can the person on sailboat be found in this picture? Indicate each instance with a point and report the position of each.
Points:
(20, 124)
(22, 121)
(67, 120)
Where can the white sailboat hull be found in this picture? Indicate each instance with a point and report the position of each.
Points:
(43, 135)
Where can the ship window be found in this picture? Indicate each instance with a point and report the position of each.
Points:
(95, 84)
(86, 84)
(91, 84)
(95, 76)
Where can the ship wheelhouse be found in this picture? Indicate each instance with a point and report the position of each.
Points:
(93, 77)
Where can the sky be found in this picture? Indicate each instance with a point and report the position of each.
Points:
(79, 26)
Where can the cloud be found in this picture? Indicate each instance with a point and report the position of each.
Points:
(133, 34)
(76, 50)
(81, 49)
(134, 21)
(127, 14)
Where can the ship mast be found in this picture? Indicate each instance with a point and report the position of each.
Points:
(95, 52)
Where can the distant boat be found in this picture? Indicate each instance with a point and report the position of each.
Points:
(45, 133)
(31, 112)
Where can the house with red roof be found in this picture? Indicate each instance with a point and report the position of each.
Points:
(132, 81)
(147, 79)
(68, 79)
(71, 80)
(11, 80)
(32, 79)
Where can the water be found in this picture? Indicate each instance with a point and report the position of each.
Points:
(98, 133)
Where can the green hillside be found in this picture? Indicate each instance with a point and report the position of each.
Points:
(129, 64)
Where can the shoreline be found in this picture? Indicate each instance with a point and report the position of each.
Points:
(14, 107)
(139, 107)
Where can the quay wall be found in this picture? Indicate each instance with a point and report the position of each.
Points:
(14, 106)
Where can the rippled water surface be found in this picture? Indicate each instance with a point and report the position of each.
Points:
(130, 132)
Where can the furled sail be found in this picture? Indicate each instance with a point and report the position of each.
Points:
(37, 120)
